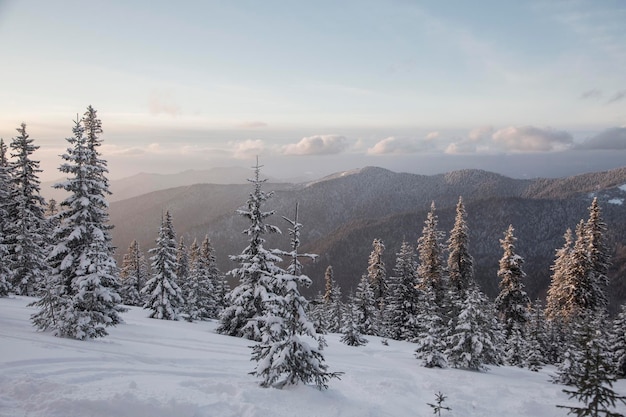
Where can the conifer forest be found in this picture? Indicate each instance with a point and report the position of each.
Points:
(428, 292)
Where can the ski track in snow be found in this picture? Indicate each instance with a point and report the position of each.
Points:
(156, 368)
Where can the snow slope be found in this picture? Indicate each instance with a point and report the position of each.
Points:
(157, 368)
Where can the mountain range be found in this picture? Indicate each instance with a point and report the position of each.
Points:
(343, 213)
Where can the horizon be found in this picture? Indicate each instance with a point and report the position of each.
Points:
(320, 88)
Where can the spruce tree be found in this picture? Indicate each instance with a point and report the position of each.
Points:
(512, 302)
(403, 302)
(617, 343)
(430, 270)
(599, 257)
(537, 336)
(475, 341)
(351, 335)
(133, 275)
(283, 357)
(25, 225)
(580, 287)
(367, 313)
(377, 273)
(257, 268)
(431, 341)
(212, 283)
(557, 298)
(592, 378)
(80, 297)
(190, 286)
(332, 307)
(182, 261)
(163, 296)
(5, 276)
(460, 261)
(201, 289)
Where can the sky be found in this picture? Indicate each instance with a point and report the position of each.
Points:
(527, 89)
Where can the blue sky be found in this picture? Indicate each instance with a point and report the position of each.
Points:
(315, 87)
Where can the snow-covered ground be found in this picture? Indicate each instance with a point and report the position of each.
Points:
(156, 368)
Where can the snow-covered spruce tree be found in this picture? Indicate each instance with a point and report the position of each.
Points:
(476, 339)
(256, 271)
(515, 347)
(367, 313)
(133, 275)
(332, 307)
(80, 297)
(617, 343)
(377, 274)
(401, 309)
(431, 341)
(351, 335)
(25, 225)
(537, 337)
(558, 293)
(211, 282)
(190, 285)
(182, 262)
(201, 289)
(599, 257)
(5, 277)
(430, 270)
(592, 378)
(460, 261)
(282, 356)
(512, 302)
(579, 285)
(163, 296)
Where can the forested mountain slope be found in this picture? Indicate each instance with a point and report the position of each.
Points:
(343, 213)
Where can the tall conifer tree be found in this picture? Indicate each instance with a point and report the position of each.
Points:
(5, 182)
(81, 294)
(162, 294)
(256, 271)
(133, 275)
(512, 302)
(26, 223)
(430, 270)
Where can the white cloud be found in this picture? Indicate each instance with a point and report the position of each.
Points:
(531, 139)
(478, 139)
(248, 148)
(317, 145)
(461, 147)
(394, 145)
(432, 135)
(480, 134)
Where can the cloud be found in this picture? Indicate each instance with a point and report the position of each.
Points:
(620, 95)
(591, 94)
(162, 103)
(531, 139)
(432, 135)
(252, 125)
(394, 145)
(248, 148)
(610, 139)
(477, 139)
(461, 147)
(317, 145)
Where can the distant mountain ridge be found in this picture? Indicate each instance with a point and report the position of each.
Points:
(344, 212)
(144, 183)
